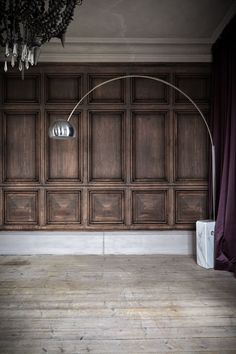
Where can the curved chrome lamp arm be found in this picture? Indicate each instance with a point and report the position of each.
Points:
(60, 130)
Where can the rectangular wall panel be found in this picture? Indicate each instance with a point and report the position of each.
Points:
(147, 91)
(149, 150)
(197, 86)
(191, 150)
(21, 146)
(62, 89)
(25, 91)
(106, 146)
(64, 157)
(21, 207)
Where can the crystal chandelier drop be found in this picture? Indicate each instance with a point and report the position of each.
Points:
(25, 25)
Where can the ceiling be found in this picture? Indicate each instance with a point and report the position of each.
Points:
(142, 31)
(187, 19)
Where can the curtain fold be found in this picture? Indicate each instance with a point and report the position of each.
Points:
(224, 135)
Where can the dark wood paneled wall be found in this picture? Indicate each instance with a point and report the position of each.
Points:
(140, 159)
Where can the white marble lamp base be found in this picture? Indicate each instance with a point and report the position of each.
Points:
(205, 243)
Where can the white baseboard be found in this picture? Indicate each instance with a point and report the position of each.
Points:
(98, 243)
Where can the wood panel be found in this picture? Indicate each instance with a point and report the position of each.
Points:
(106, 207)
(113, 92)
(106, 146)
(149, 207)
(149, 146)
(191, 147)
(190, 206)
(21, 146)
(63, 207)
(139, 160)
(149, 91)
(19, 91)
(21, 207)
(64, 158)
(197, 86)
(62, 89)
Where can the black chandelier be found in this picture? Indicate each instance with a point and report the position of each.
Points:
(25, 25)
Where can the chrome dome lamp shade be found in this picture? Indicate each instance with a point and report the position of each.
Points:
(61, 129)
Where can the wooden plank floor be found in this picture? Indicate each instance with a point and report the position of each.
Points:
(115, 304)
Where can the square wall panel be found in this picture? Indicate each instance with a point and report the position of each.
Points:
(63, 88)
(106, 207)
(21, 148)
(21, 207)
(63, 207)
(190, 206)
(149, 207)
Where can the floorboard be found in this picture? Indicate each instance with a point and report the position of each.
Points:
(115, 304)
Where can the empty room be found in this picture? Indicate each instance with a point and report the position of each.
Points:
(118, 176)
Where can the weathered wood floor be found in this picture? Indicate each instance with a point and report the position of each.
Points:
(128, 305)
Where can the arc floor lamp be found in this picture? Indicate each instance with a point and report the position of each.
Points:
(62, 129)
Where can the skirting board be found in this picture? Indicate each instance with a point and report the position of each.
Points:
(98, 243)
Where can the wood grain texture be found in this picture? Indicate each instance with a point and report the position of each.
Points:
(62, 88)
(21, 207)
(149, 146)
(106, 207)
(106, 142)
(63, 158)
(122, 304)
(63, 207)
(21, 135)
(19, 91)
(113, 92)
(140, 158)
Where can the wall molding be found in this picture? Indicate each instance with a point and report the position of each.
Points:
(128, 50)
(98, 243)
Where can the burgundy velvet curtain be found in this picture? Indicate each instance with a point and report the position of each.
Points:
(224, 136)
